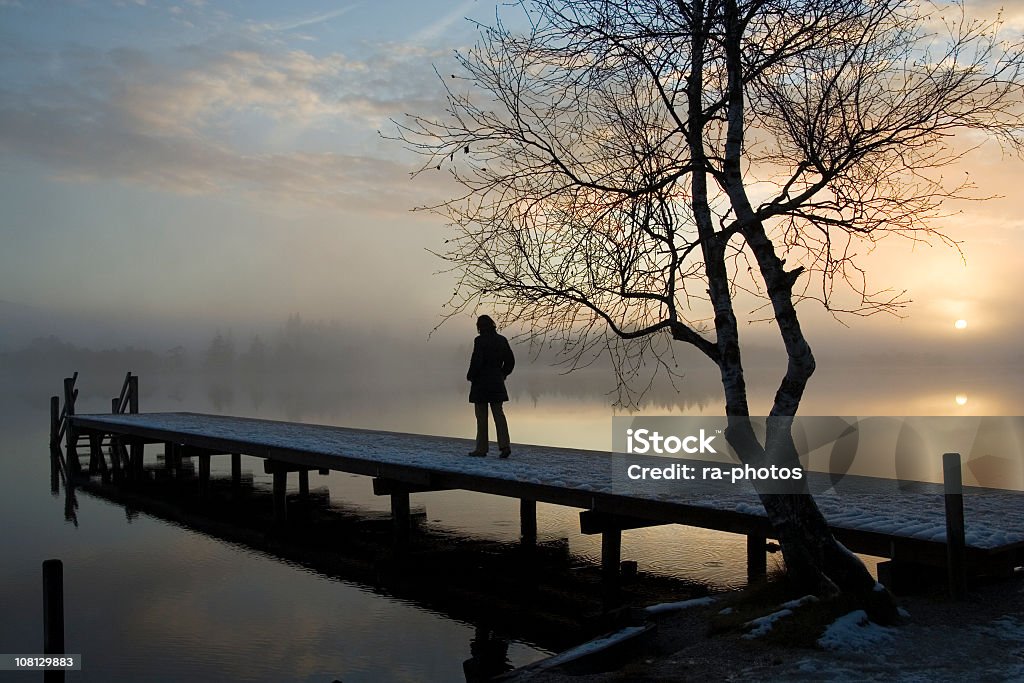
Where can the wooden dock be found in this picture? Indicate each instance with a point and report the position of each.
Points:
(871, 516)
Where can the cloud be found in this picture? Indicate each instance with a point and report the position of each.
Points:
(214, 124)
(433, 31)
(291, 24)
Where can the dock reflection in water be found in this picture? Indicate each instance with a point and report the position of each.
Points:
(522, 600)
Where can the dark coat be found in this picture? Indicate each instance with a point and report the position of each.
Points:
(491, 363)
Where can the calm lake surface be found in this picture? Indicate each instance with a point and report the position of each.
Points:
(149, 600)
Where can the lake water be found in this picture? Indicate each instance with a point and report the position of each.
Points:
(150, 600)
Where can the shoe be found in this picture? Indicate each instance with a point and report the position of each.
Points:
(477, 454)
(505, 452)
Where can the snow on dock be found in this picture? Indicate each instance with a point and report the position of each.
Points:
(869, 515)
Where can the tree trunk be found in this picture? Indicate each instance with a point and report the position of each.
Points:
(815, 560)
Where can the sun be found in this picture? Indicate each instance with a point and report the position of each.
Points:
(960, 324)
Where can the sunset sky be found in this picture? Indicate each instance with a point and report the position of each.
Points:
(219, 163)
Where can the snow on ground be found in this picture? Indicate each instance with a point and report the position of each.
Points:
(993, 518)
(592, 646)
(666, 607)
(800, 602)
(1008, 628)
(854, 632)
(762, 625)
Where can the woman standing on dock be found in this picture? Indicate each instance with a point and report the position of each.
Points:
(491, 363)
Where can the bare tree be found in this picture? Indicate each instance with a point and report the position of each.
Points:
(632, 168)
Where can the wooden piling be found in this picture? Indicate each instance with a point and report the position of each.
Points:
(757, 557)
(53, 615)
(956, 541)
(611, 552)
(169, 456)
(96, 459)
(54, 421)
(55, 470)
(280, 494)
(135, 455)
(236, 470)
(204, 474)
(400, 515)
(528, 521)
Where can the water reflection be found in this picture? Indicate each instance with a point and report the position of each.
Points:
(489, 656)
(185, 603)
(523, 600)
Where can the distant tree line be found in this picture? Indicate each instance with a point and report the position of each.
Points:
(299, 346)
(46, 353)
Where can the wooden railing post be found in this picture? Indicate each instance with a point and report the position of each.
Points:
(69, 430)
(135, 447)
(133, 394)
(956, 537)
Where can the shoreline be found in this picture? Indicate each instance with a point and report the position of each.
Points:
(939, 639)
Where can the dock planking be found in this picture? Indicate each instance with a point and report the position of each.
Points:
(900, 520)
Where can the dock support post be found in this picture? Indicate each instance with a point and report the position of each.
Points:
(204, 475)
(53, 615)
(400, 515)
(54, 421)
(956, 542)
(304, 484)
(55, 470)
(135, 451)
(236, 470)
(611, 552)
(757, 557)
(115, 450)
(96, 459)
(528, 522)
(280, 495)
(94, 453)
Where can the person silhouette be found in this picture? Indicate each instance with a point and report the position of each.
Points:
(491, 363)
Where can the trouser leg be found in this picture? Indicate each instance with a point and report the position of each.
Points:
(500, 424)
(481, 427)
